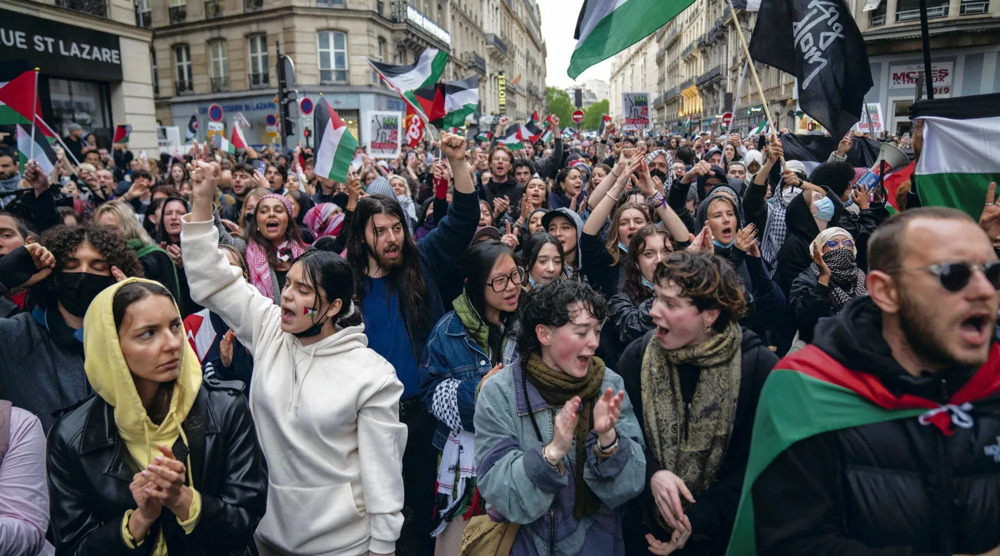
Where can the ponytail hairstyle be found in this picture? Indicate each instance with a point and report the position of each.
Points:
(331, 276)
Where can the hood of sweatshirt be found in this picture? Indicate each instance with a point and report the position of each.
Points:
(800, 221)
(111, 378)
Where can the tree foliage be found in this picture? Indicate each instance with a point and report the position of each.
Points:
(558, 102)
(593, 114)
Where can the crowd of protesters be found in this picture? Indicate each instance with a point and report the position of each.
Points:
(567, 349)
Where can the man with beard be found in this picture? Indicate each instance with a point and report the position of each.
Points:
(882, 437)
(10, 177)
(242, 180)
(401, 287)
(503, 192)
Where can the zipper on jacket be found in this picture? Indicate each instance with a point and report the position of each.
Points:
(552, 511)
(687, 418)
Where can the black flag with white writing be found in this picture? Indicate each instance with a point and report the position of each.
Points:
(819, 43)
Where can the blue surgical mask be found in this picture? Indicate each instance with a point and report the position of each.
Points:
(824, 209)
(724, 245)
(622, 247)
(531, 282)
(849, 202)
(647, 283)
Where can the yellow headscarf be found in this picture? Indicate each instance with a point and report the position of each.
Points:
(111, 378)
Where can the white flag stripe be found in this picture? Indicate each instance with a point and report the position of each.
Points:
(596, 11)
(960, 146)
(328, 149)
(460, 99)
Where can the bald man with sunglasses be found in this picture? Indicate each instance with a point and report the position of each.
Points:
(883, 437)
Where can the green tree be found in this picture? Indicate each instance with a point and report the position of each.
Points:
(558, 102)
(593, 114)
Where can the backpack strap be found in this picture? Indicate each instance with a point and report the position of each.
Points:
(4, 428)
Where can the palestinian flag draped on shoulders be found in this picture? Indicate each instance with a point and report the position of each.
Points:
(811, 393)
(961, 151)
(334, 143)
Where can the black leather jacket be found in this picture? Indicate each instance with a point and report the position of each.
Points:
(90, 472)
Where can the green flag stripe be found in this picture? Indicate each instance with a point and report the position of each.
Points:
(966, 192)
(794, 406)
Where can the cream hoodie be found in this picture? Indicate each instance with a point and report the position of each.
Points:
(327, 418)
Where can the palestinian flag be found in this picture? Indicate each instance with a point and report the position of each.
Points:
(237, 138)
(334, 143)
(16, 97)
(192, 128)
(548, 135)
(41, 152)
(959, 158)
(448, 104)
(407, 79)
(810, 393)
(530, 130)
(606, 27)
(605, 120)
(483, 136)
(223, 144)
(512, 138)
(122, 133)
(760, 128)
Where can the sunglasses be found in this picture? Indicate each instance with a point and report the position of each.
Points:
(956, 276)
(833, 243)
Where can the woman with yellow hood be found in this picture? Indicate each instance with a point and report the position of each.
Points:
(158, 462)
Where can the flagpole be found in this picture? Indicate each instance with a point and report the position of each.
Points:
(65, 148)
(753, 69)
(739, 90)
(34, 115)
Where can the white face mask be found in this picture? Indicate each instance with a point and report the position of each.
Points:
(789, 193)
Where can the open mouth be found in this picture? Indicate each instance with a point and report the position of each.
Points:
(511, 299)
(272, 226)
(391, 252)
(287, 315)
(583, 360)
(976, 329)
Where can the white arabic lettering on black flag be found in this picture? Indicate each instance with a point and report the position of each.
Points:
(818, 42)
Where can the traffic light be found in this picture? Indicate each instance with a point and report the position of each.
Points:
(288, 127)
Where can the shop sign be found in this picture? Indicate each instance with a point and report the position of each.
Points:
(906, 76)
(502, 93)
(59, 49)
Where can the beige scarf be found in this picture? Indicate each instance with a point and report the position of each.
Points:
(692, 448)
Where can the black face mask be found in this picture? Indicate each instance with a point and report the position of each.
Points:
(78, 289)
(313, 330)
(657, 173)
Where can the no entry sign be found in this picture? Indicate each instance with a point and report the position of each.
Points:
(578, 116)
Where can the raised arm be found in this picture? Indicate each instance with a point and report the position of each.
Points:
(652, 189)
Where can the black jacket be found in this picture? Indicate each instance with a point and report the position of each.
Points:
(90, 472)
(795, 256)
(888, 489)
(714, 512)
(809, 302)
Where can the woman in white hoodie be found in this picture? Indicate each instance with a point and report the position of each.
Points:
(325, 406)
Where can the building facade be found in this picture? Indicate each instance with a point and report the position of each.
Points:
(93, 62)
(225, 52)
(701, 73)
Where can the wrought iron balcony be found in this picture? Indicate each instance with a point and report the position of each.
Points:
(477, 62)
(183, 87)
(876, 20)
(258, 80)
(213, 9)
(177, 14)
(933, 12)
(496, 42)
(974, 8)
(92, 7)
(253, 5)
(220, 84)
(710, 75)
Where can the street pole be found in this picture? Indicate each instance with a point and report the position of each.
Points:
(282, 106)
(926, 39)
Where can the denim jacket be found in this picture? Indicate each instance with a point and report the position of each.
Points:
(450, 370)
(519, 485)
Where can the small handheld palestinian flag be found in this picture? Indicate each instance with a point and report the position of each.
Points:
(237, 139)
(810, 393)
(605, 120)
(334, 143)
(484, 136)
(122, 133)
(223, 144)
(192, 128)
(512, 138)
(40, 151)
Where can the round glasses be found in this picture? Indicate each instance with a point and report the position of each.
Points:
(499, 284)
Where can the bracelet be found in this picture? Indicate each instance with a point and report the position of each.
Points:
(656, 200)
(546, 457)
(609, 447)
(615, 199)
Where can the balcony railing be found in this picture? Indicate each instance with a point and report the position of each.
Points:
(974, 8)
(183, 87)
(213, 9)
(876, 20)
(496, 42)
(253, 5)
(476, 61)
(258, 80)
(178, 14)
(710, 75)
(92, 7)
(914, 15)
(220, 84)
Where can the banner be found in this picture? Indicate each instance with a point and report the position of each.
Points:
(57, 48)
(871, 120)
(239, 118)
(635, 108)
(383, 134)
(905, 76)
(414, 127)
(215, 128)
(502, 92)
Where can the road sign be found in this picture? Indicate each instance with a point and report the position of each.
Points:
(727, 119)
(306, 106)
(270, 119)
(215, 113)
(578, 116)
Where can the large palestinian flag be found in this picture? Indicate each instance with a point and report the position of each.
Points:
(406, 79)
(16, 97)
(961, 151)
(334, 143)
(447, 104)
(810, 393)
(512, 138)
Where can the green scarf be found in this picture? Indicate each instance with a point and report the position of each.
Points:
(141, 250)
(479, 329)
(691, 441)
(557, 388)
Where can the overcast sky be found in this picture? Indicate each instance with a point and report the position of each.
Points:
(558, 23)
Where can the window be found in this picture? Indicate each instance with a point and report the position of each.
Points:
(152, 68)
(258, 60)
(182, 69)
(218, 67)
(332, 46)
(876, 17)
(379, 57)
(339, 3)
(144, 15)
(909, 10)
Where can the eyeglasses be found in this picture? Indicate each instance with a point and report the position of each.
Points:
(834, 243)
(499, 284)
(955, 276)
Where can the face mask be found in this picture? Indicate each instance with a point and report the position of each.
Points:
(789, 193)
(647, 283)
(723, 245)
(78, 289)
(313, 330)
(657, 173)
(622, 247)
(824, 209)
(849, 202)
